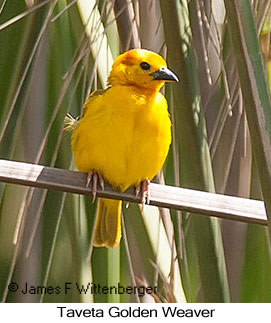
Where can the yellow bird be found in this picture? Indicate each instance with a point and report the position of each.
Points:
(124, 134)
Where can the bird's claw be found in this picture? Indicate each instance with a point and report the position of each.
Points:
(144, 188)
(95, 178)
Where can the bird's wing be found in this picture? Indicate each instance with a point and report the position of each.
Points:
(92, 97)
(70, 123)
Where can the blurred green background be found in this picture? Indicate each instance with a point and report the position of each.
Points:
(53, 53)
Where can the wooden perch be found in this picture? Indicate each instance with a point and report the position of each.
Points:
(227, 207)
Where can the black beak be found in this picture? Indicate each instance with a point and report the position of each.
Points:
(164, 74)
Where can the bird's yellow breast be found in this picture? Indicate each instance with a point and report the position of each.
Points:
(124, 135)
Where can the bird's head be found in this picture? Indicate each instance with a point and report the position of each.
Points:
(141, 68)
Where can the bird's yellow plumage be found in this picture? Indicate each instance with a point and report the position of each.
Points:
(125, 132)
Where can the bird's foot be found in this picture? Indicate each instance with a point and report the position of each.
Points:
(144, 189)
(94, 178)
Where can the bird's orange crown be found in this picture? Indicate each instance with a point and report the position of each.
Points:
(141, 68)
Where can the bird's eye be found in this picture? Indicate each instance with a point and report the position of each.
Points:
(145, 66)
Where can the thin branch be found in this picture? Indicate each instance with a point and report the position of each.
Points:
(210, 204)
(27, 67)
(21, 15)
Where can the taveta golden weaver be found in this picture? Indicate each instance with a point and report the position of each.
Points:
(124, 134)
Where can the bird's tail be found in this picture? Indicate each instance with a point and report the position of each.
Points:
(108, 224)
